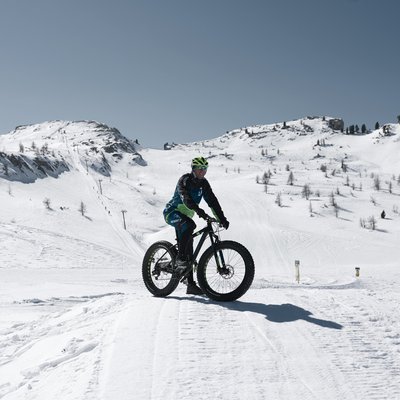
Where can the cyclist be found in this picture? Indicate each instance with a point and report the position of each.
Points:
(190, 189)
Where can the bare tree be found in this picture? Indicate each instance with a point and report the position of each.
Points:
(82, 208)
(306, 191)
(47, 203)
(372, 222)
(332, 199)
(336, 209)
(377, 183)
(278, 199)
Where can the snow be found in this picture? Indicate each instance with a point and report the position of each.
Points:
(76, 321)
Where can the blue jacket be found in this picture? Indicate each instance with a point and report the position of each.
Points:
(188, 194)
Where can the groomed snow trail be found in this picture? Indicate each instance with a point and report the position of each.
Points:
(276, 343)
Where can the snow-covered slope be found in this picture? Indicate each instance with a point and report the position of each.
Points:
(77, 323)
(36, 151)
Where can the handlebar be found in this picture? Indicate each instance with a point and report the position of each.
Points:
(211, 220)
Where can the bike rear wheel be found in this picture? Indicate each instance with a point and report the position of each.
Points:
(158, 269)
(231, 277)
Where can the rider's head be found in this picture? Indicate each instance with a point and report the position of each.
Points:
(199, 167)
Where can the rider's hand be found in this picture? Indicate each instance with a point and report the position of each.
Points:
(202, 214)
(225, 223)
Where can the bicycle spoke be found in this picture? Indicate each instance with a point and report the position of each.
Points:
(231, 273)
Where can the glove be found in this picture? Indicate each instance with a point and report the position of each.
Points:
(202, 214)
(225, 223)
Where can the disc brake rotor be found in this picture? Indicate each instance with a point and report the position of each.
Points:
(227, 272)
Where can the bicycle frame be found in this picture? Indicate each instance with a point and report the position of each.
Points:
(208, 231)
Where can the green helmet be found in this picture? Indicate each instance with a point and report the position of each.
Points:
(199, 163)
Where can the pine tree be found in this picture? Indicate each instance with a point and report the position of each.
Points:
(290, 178)
(377, 125)
(363, 128)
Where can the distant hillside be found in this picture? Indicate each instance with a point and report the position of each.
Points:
(36, 151)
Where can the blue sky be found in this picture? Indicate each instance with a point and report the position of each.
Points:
(185, 70)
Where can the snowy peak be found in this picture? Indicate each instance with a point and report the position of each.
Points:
(50, 148)
(300, 127)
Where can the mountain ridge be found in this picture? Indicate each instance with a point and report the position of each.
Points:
(36, 151)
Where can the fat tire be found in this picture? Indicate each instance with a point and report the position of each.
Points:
(147, 269)
(248, 274)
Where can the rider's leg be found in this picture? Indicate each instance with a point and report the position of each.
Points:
(184, 227)
(185, 231)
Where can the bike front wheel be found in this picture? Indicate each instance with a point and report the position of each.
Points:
(225, 271)
(158, 269)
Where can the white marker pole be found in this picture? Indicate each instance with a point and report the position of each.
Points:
(297, 270)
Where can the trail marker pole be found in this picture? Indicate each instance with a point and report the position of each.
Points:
(123, 217)
(297, 270)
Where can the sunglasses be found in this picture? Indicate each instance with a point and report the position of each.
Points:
(201, 168)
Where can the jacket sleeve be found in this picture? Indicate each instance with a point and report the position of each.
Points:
(183, 190)
(213, 202)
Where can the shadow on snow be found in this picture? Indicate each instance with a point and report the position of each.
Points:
(278, 313)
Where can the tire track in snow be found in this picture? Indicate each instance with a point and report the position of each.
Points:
(297, 360)
(368, 340)
(180, 348)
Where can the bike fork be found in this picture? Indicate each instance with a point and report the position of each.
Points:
(218, 255)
